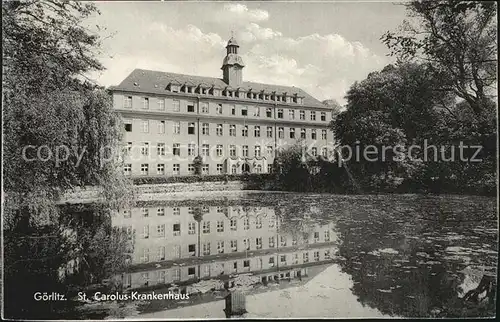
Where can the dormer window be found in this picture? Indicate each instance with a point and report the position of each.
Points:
(249, 95)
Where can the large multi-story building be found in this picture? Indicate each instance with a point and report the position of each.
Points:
(182, 244)
(234, 125)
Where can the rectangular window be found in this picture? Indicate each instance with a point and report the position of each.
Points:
(160, 231)
(313, 134)
(176, 149)
(176, 106)
(281, 133)
(219, 130)
(292, 133)
(269, 112)
(316, 256)
(256, 111)
(176, 229)
(220, 226)
(233, 224)
(145, 126)
(191, 228)
(246, 263)
(269, 168)
(232, 150)
(219, 168)
(160, 212)
(246, 243)
(161, 105)
(324, 152)
(258, 243)
(234, 245)
(245, 151)
(271, 242)
(145, 232)
(127, 169)
(305, 257)
(323, 116)
(314, 152)
(323, 134)
(177, 127)
(127, 101)
(246, 224)
(160, 148)
(232, 130)
(283, 241)
(220, 247)
(302, 133)
(206, 249)
(244, 111)
(291, 114)
(145, 212)
(204, 108)
(269, 132)
(206, 227)
(244, 130)
(205, 129)
(257, 151)
(269, 150)
(160, 169)
(205, 148)
(176, 275)
(271, 261)
(256, 131)
(204, 169)
(145, 103)
(191, 128)
(302, 115)
(190, 107)
(161, 275)
(145, 255)
(144, 169)
(145, 148)
(258, 223)
(176, 211)
(176, 169)
(219, 109)
(219, 150)
(313, 116)
(191, 168)
(128, 125)
(280, 113)
(191, 147)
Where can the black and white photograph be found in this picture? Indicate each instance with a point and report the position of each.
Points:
(201, 160)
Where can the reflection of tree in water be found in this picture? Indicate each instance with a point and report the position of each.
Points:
(395, 280)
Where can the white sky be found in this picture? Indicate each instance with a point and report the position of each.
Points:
(322, 47)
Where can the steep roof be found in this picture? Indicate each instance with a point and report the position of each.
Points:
(148, 81)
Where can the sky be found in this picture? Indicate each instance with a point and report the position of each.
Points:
(321, 47)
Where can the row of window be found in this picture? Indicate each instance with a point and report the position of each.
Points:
(234, 150)
(206, 226)
(176, 169)
(176, 211)
(220, 248)
(219, 130)
(243, 110)
(235, 93)
(162, 278)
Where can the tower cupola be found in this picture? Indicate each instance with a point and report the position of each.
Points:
(232, 66)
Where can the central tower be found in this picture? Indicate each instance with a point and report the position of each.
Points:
(232, 66)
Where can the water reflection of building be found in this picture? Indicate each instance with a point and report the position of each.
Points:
(183, 244)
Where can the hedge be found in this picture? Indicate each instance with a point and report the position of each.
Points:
(253, 177)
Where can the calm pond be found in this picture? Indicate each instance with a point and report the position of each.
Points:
(310, 255)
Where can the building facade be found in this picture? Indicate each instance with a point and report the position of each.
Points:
(182, 244)
(233, 125)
